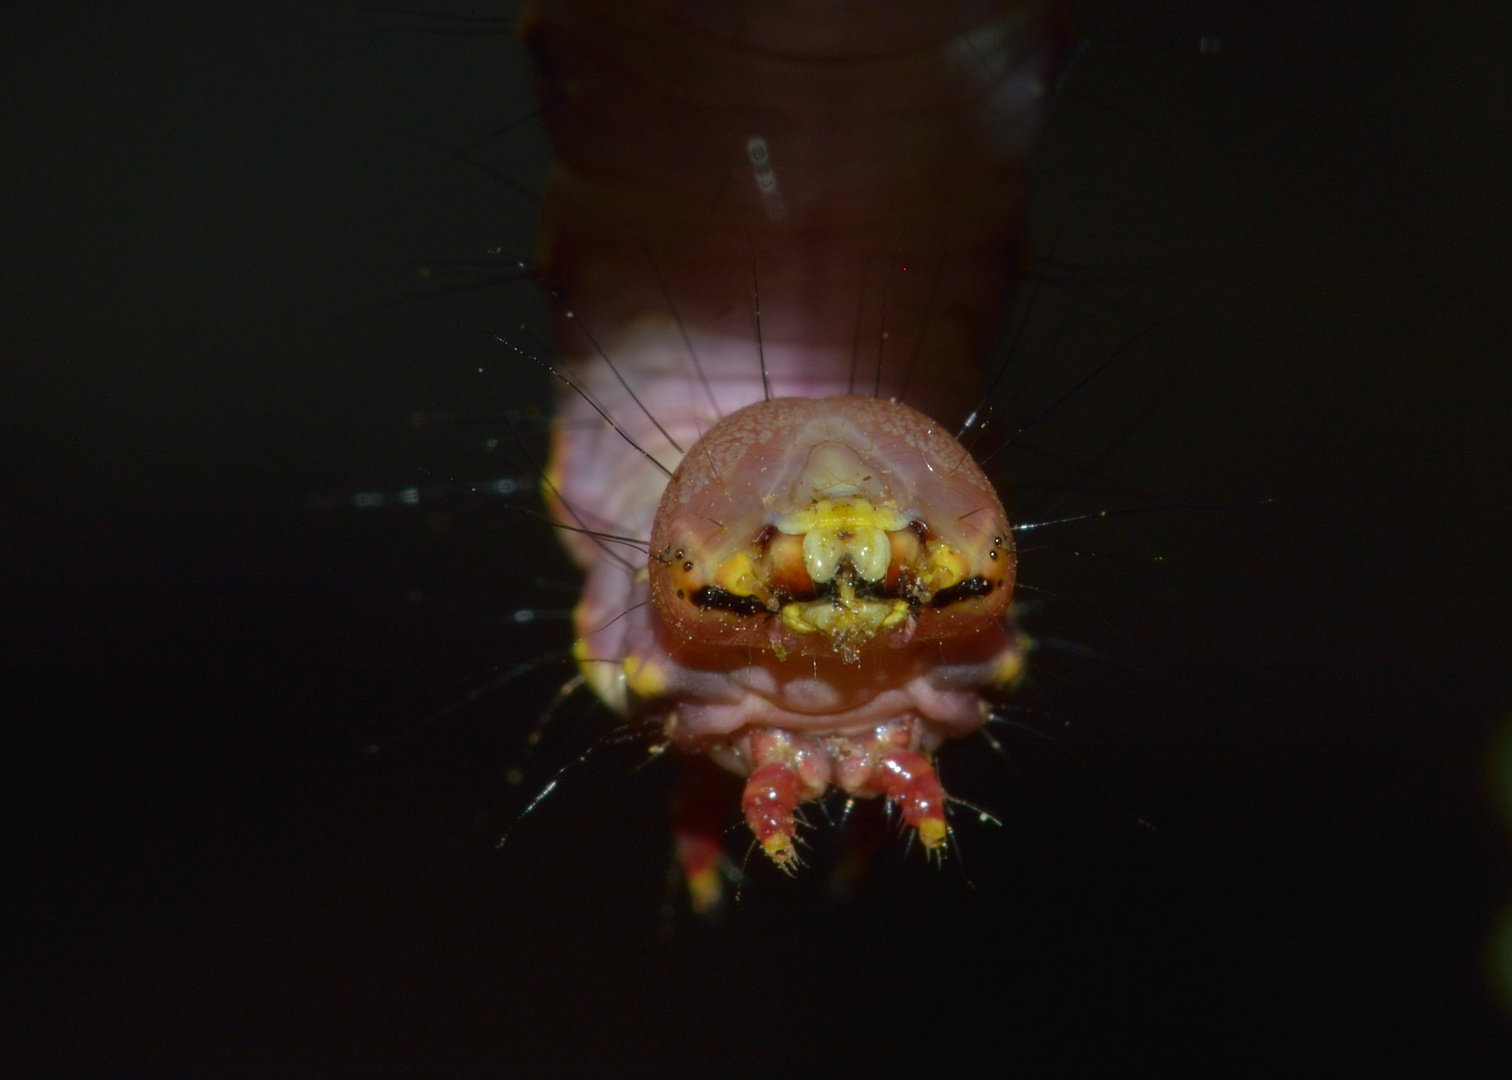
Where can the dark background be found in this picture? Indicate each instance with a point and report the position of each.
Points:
(1294, 670)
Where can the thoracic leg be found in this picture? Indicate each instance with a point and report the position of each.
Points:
(908, 779)
(789, 769)
(700, 812)
(771, 796)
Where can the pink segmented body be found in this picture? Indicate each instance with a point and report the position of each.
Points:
(767, 227)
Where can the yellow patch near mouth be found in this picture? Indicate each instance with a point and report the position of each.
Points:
(845, 616)
(737, 575)
(945, 567)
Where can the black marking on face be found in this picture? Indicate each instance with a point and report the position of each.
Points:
(720, 600)
(965, 590)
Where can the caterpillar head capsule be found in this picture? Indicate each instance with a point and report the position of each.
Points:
(825, 527)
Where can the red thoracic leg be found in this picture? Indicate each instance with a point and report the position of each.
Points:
(790, 769)
(908, 779)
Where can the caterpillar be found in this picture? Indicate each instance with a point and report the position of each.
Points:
(779, 239)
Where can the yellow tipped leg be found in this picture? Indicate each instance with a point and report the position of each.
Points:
(932, 832)
(908, 779)
(705, 889)
(779, 847)
(771, 796)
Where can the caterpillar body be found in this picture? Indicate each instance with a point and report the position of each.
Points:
(779, 239)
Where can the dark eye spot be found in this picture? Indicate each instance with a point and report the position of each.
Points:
(687, 566)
